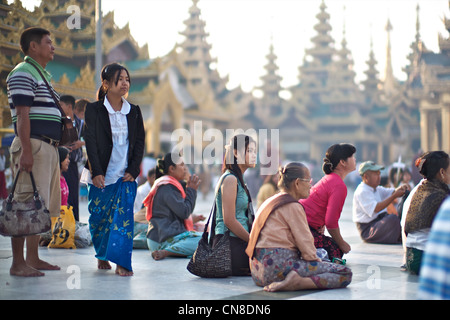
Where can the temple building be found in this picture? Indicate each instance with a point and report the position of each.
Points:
(73, 66)
(327, 106)
(429, 81)
(173, 91)
(190, 90)
(384, 118)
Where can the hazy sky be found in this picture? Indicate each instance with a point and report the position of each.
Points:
(241, 31)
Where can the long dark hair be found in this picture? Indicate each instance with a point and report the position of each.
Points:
(108, 73)
(335, 154)
(240, 143)
(431, 162)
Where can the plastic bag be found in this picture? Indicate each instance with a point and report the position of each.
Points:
(82, 235)
(63, 230)
(322, 254)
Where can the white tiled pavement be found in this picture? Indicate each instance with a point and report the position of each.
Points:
(376, 275)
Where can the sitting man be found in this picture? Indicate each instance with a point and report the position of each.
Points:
(370, 201)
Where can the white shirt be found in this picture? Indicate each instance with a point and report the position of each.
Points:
(407, 204)
(365, 199)
(118, 161)
(417, 239)
(141, 193)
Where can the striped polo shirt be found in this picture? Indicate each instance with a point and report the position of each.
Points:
(27, 88)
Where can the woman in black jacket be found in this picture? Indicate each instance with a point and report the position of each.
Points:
(114, 135)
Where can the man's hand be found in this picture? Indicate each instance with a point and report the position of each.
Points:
(76, 145)
(400, 191)
(26, 160)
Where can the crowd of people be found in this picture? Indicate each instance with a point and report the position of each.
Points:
(292, 242)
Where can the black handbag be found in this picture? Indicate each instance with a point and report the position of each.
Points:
(69, 133)
(20, 219)
(209, 262)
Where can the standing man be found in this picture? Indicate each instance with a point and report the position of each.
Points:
(37, 125)
(76, 155)
(370, 201)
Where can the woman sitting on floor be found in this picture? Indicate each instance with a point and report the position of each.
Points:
(233, 201)
(435, 168)
(169, 207)
(281, 246)
(324, 206)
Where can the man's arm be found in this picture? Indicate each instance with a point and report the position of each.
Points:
(400, 191)
(23, 131)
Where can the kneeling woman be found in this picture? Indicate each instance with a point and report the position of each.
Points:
(281, 246)
(169, 207)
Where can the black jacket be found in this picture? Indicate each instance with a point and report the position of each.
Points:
(98, 138)
(169, 212)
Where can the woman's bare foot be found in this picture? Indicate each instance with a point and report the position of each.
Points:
(160, 254)
(103, 265)
(25, 270)
(292, 282)
(121, 271)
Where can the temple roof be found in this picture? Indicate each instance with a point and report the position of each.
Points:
(432, 58)
(75, 48)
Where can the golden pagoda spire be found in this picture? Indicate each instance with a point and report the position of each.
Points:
(389, 83)
(195, 55)
(371, 83)
(271, 86)
(415, 46)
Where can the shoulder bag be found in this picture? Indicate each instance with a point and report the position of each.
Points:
(209, 262)
(69, 132)
(20, 219)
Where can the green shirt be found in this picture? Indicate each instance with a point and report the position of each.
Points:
(242, 202)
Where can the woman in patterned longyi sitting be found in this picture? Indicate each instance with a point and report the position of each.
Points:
(281, 246)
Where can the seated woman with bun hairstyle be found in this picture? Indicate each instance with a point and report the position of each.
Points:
(324, 206)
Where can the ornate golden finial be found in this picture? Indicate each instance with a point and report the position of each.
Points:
(16, 59)
(64, 80)
(388, 27)
(86, 78)
(66, 43)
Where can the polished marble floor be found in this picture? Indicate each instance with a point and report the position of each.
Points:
(376, 275)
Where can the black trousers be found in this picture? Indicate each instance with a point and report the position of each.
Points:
(73, 182)
(385, 229)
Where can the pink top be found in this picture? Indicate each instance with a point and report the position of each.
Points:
(64, 191)
(325, 202)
